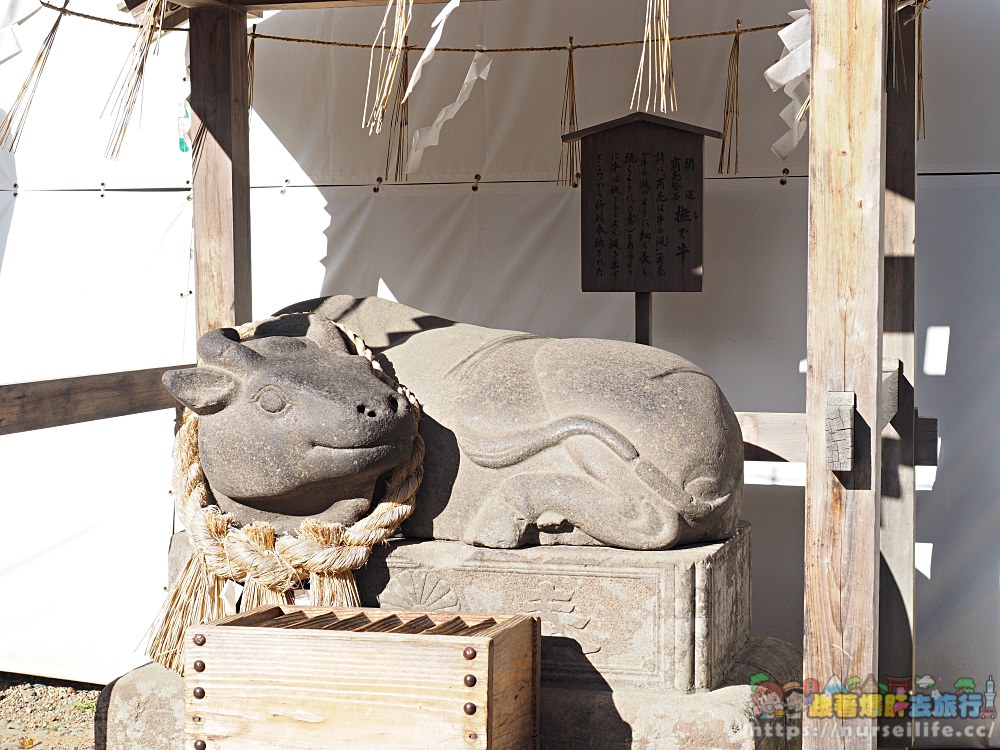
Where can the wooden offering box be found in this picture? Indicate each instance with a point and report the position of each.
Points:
(305, 678)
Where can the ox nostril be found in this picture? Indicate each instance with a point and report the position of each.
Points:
(361, 408)
(372, 414)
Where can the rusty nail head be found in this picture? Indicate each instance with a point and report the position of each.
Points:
(471, 736)
(200, 745)
(199, 640)
(470, 680)
(199, 692)
(469, 653)
(199, 666)
(197, 719)
(470, 708)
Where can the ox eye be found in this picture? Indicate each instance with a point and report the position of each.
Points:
(271, 400)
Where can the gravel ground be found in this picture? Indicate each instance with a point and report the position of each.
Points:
(36, 712)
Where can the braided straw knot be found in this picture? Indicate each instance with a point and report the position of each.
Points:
(319, 549)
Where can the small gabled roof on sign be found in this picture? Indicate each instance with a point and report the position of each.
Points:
(640, 117)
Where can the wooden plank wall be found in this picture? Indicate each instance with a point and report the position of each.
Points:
(844, 350)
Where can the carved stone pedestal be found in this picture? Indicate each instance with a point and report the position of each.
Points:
(614, 618)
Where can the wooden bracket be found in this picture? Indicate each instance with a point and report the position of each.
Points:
(892, 371)
(840, 430)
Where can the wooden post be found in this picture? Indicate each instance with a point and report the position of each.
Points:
(644, 318)
(896, 622)
(221, 182)
(844, 349)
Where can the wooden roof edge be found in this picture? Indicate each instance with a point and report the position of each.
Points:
(641, 117)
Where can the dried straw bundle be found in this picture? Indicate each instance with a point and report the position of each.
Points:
(656, 66)
(569, 153)
(388, 62)
(731, 111)
(128, 87)
(256, 593)
(13, 123)
(399, 125)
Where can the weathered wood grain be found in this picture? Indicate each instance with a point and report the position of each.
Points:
(840, 430)
(844, 350)
(221, 177)
(51, 403)
(301, 689)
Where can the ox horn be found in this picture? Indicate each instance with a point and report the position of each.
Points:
(325, 333)
(223, 347)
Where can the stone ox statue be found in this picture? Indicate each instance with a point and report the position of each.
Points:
(528, 439)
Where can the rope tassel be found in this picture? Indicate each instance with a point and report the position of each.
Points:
(731, 111)
(13, 123)
(256, 592)
(195, 597)
(569, 153)
(329, 587)
(656, 65)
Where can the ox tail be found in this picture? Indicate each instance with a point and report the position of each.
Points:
(515, 447)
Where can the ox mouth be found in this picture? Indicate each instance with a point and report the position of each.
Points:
(365, 449)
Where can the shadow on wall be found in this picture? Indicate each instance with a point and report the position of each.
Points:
(958, 605)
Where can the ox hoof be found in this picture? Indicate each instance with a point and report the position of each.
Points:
(496, 526)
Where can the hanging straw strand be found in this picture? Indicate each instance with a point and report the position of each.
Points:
(13, 123)
(399, 125)
(251, 61)
(569, 153)
(731, 111)
(128, 87)
(921, 111)
(389, 61)
(656, 61)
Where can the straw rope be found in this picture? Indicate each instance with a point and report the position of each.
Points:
(326, 553)
(367, 45)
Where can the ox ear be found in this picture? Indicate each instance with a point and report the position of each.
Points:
(204, 390)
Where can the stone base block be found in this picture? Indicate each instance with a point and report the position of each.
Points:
(141, 709)
(611, 618)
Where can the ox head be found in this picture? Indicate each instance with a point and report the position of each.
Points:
(291, 424)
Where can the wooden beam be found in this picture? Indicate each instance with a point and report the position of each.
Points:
(51, 403)
(221, 180)
(246, 5)
(844, 352)
(644, 318)
(897, 511)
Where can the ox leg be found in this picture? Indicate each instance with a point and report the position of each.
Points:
(631, 517)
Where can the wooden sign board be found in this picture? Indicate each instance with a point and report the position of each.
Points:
(642, 205)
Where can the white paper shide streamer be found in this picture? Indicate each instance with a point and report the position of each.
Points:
(438, 26)
(424, 138)
(13, 12)
(791, 73)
